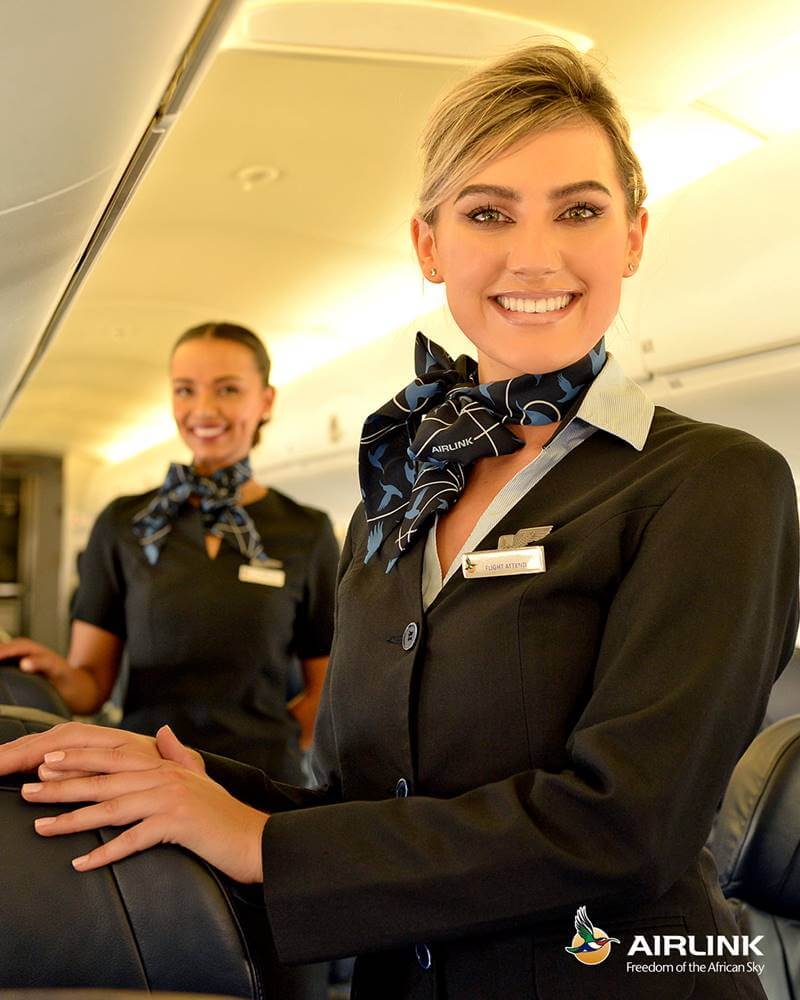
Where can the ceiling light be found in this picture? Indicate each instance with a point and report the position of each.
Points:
(155, 427)
(426, 32)
(682, 146)
(357, 319)
(256, 175)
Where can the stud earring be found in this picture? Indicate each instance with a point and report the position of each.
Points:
(434, 272)
(631, 267)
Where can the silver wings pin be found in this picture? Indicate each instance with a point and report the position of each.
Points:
(523, 537)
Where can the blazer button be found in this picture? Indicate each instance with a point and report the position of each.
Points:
(424, 956)
(401, 789)
(410, 634)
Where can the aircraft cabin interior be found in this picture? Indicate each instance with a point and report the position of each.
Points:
(172, 163)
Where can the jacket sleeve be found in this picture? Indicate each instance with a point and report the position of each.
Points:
(704, 617)
(249, 784)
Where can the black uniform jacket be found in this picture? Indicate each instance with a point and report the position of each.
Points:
(564, 737)
(210, 653)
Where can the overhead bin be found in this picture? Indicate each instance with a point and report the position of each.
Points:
(85, 87)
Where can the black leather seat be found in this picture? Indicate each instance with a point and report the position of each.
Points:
(784, 700)
(757, 847)
(160, 920)
(30, 691)
(103, 995)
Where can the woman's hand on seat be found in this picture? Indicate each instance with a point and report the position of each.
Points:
(164, 800)
(71, 738)
(34, 658)
(86, 677)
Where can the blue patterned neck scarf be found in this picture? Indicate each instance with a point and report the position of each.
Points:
(220, 510)
(415, 448)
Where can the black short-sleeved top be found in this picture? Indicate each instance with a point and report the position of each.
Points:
(210, 654)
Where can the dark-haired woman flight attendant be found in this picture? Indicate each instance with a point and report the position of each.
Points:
(559, 614)
(213, 584)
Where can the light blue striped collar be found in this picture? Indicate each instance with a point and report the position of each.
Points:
(616, 404)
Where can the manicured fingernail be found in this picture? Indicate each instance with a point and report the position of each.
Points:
(43, 821)
(32, 789)
(54, 756)
(46, 773)
(78, 863)
(25, 665)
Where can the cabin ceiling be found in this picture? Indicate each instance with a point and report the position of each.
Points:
(318, 259)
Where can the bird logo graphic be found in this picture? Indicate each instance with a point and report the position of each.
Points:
(590, 945)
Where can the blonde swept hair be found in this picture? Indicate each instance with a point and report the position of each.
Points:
(530, 91)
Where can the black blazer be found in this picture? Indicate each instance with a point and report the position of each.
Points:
(564, 738)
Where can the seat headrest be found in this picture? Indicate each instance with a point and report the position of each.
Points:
(30, 691)
(159, 920)
(757, 835)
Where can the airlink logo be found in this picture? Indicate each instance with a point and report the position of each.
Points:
(592, 945)
(711, 946)
(463, 443)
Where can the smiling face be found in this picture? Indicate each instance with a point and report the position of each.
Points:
(218, 400)
(533, 249)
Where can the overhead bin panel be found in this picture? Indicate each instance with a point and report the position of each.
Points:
(80, 82)
(758, 394)
(720, 273)
(39, 247)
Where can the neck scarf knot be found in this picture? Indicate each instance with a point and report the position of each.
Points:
(415, 448)
(220, 510)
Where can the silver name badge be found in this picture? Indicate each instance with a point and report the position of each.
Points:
(267, 576)
(505, 562)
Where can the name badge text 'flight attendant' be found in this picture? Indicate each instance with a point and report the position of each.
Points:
(514, 556)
